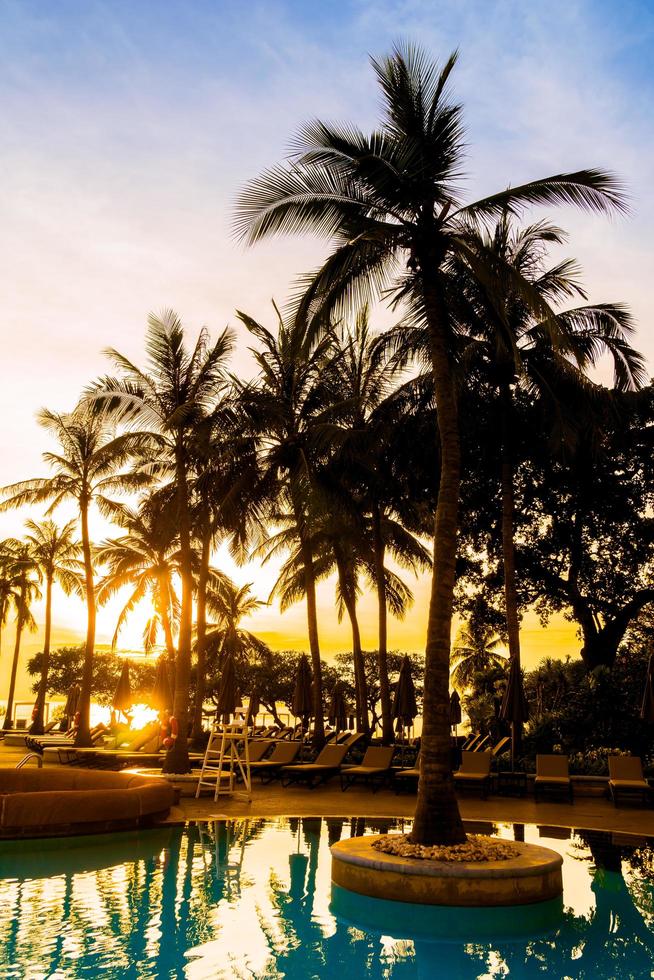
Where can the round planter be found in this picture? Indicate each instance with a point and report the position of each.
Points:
(533, 876)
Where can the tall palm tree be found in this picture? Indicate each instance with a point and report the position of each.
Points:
(229, 604)
(27, 573)
(291, 406)
(55, 551)
(85, 471)
(145, 559)
(9, 579)
(390, 206)
(166, 402)
(515, 349)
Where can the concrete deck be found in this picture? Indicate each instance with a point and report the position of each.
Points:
(587, 813)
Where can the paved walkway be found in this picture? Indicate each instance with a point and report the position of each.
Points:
(588, 813)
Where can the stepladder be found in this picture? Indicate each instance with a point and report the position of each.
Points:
(226, 763)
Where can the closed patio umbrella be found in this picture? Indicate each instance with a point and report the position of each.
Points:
(455, 709)
(228, 696)
(122, 699)
(647, 705)
(404, 702)
(161, 698)
(338, 707)
(514, 706)
(254, 706)
(71, 702)
(302, 704)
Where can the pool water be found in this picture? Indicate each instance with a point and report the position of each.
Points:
(253, 899)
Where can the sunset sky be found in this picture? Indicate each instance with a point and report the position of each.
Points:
(127, 129)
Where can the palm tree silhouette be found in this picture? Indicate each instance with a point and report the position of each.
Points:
(85, 470)
(475, 649)
(55, 550)
(27, 575)
(390, 206)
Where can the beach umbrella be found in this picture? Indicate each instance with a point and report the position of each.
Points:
(228, 697)
(455, 709)
(122, 699)
(338, 707)
(404, 702)
(254, 704)
(647, 705)
(71, 701)
(302, 704)
(514, 705)
(161, 697)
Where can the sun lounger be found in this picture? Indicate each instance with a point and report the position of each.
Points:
(481, 744)
(552, 776)
(326, 765)
(407, 777)
(474, 772)
(626, 778)
(502, 746)
(284, 753)
(375, 768)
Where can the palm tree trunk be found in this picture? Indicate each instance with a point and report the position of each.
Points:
(37, 726)
(177, 758)
(437, 818)
(360, 685)
(164, 610)
(20, 621)
(382, 651)
(203, 579)
(314, 643)
(83, 737)
(508, 552)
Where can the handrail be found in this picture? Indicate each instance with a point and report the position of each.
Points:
(28, 758)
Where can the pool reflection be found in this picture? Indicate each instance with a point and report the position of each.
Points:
(253, 898)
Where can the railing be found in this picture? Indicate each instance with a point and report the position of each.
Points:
(28, 758)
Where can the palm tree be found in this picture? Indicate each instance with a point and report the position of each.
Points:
(27, 575)
(9, 579)
(84, 471)
(291, 407)
(475, 650)
(514, 349)
(166, 402)
(229, 604)
(145, 558)
(55, 551)
(390, 206)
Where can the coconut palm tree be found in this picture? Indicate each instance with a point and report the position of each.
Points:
(55, 551)
(27, 573)
(166, 402)
(517, 350)
(390, 205)
(9, 580)
(145, 559)
(291, 407)
(229, 604)
(85, 471)
(475, 649)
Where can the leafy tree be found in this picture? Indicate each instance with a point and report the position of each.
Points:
(166, 402)
(388, 203)
(26, 574)
(85, 471)
(344, 669)
(55, 551)
(67, 667)
(476, 648)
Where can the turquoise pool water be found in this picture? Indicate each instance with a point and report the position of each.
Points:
(253, 899)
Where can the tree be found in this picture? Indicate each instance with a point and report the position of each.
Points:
(166, 402)
(145, 559)
(84, 471)
(475, 649)
(230, 604)
(55, 551)
(291, 408)
(67, 667)
(389, 205)
(9, 579)
(27, 575)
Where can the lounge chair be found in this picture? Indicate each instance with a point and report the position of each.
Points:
(469, 741)
(502, 746)
(626, 778)
(313, 774)
(375, 768)
(552, 776)
(284, 753)
(474, 772)
(407, 777)
(480, 744)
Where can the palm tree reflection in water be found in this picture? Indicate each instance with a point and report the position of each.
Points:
(252, 898)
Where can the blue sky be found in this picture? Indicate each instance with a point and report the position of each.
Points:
(127, 128)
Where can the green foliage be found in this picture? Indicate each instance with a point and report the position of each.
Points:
(344, 669)
(66, 665)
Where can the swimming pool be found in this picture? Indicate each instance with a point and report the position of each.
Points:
(253, 899)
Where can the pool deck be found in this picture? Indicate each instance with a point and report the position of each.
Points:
(589, 813)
